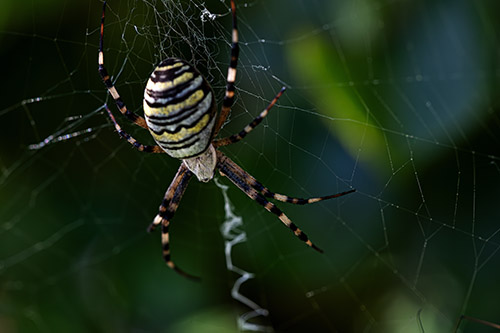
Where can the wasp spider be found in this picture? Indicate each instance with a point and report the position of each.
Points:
(180, 113)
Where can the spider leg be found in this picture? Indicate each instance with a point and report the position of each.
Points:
(231, 75)
(285, 198)
(239, 177)
(237, 137)
(139, 146)
(138, 120)
(166, 212)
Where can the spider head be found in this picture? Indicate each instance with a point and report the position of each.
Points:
(203, 165)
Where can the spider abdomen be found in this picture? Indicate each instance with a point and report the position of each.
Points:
(179, 108)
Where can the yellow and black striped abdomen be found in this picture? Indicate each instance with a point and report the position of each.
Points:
(179, 108)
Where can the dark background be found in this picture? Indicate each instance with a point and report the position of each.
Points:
(397, 99)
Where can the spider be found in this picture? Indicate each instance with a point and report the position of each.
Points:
(180, 113)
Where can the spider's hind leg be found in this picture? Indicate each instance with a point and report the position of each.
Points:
(231, 74)
(106, 79)
(239, 136)
(136, 144)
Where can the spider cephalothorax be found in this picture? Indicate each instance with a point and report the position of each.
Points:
(180, 113)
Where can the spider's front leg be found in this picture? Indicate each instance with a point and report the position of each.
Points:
(168, 206)
(239, 178)
(286, 198)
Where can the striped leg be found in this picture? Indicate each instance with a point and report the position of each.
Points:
(237, 137)
(285, 198)
(238, 176)
(166, 212)
(231, 75)
(138, 120)
(139, 146)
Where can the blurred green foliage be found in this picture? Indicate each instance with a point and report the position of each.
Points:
(397, 99)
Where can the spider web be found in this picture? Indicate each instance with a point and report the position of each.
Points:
(395, 98)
